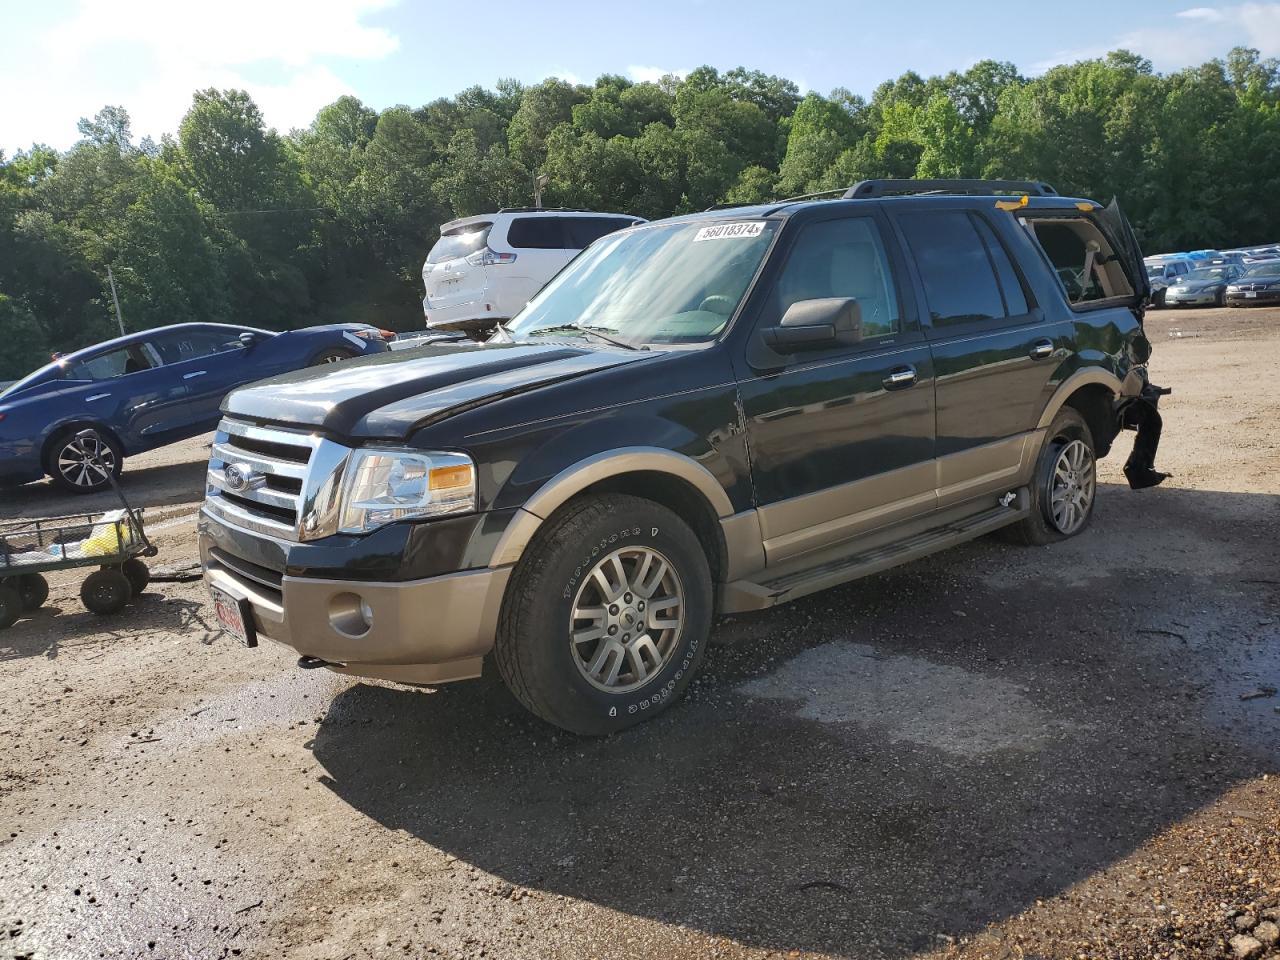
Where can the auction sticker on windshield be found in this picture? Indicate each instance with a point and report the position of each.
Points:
(730, 231)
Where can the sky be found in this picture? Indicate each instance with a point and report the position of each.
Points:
(64, 59)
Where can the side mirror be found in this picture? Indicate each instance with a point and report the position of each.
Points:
(816, 325)
(247, 339)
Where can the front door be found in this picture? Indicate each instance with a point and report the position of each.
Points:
(841, 440)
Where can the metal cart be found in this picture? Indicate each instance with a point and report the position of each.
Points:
(114, 542)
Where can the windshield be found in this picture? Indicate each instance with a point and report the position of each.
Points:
(668, 283)
(1264, 270)
(1155, 269)
(459, 242)
(1209, 273)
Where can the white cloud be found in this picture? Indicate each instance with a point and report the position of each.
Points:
(149, 56)
(1202, 13)
(1190, 37)
(642, 74)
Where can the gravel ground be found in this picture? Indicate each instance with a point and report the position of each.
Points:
(1063, 752)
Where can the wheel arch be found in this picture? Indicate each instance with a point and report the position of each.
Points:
(677, 482)
(1091, 393)
(67, 426)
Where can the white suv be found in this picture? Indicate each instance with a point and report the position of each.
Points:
(486, 268)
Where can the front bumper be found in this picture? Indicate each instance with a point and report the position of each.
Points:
(1195, 299)
(1260, 297)
(430, 630)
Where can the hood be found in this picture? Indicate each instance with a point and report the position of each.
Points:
(1197, 285)
(389, 395)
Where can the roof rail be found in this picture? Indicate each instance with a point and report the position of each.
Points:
(867, 189)
(551, 210)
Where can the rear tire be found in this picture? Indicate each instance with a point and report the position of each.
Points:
(70, 461)
(105, 591)
(334, 355)
(34, 590)
(606, 618)
(10, 607)
(1064, 487)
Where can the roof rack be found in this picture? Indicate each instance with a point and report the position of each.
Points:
(867, 189)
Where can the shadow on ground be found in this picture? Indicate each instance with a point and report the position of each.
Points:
(774, 807)
(157, 486)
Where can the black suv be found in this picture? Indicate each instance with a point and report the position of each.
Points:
(708, 414)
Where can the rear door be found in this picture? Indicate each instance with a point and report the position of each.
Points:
(993, 351)
(541, 247)
(210, 361)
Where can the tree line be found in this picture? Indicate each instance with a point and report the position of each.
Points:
(229, 220)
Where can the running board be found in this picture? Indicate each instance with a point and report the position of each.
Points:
(742, 596)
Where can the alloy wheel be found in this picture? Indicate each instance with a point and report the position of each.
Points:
(1072, 487)
(626, 619)
(86, 461)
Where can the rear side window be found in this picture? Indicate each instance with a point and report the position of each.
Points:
(959, 279)
(536, 233)
(190, 344)
(459, 242)
(1083, 259)
(112, 364)
(584, 231)
(1015, 300)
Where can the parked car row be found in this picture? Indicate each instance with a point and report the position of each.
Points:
(1203, 277)
(146, 390)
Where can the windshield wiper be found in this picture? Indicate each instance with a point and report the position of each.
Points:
(590, 331)
(598, 332)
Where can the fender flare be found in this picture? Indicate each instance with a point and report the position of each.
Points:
(572, 480)
(1081, 378)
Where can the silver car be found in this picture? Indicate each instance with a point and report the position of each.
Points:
(1203, 287)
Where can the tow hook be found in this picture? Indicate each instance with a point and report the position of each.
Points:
(315, 663)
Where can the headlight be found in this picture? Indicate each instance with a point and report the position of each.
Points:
(382, 486)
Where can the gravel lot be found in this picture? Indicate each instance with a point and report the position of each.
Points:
(998, 752)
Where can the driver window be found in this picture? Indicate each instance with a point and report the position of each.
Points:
(841, 258)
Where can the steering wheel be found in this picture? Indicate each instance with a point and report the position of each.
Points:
(717, 303)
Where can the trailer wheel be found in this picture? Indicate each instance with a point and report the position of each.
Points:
(10, 607)
(138, 573)
(34, 590)
(105, 591)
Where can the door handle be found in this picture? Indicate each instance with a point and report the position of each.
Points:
(194, 374)
(1042, 350)
(899, 378)
(96, 396)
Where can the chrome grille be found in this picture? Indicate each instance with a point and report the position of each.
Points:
(279, 482)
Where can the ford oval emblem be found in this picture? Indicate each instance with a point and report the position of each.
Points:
(239, 477)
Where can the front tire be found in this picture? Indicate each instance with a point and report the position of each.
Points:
(606, 619)
(1065, 485)
(82, 465)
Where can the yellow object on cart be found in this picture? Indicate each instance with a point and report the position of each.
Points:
(112, 534)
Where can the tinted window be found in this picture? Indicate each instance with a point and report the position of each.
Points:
(841, 258)
(537, 233)
(959, 283)
(584, 231)
(1015, 300)
(189, 344)
(459, 242)
(107, 366)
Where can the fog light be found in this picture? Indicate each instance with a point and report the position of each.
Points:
(350, 614)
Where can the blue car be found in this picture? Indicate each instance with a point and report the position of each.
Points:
(146, 390)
